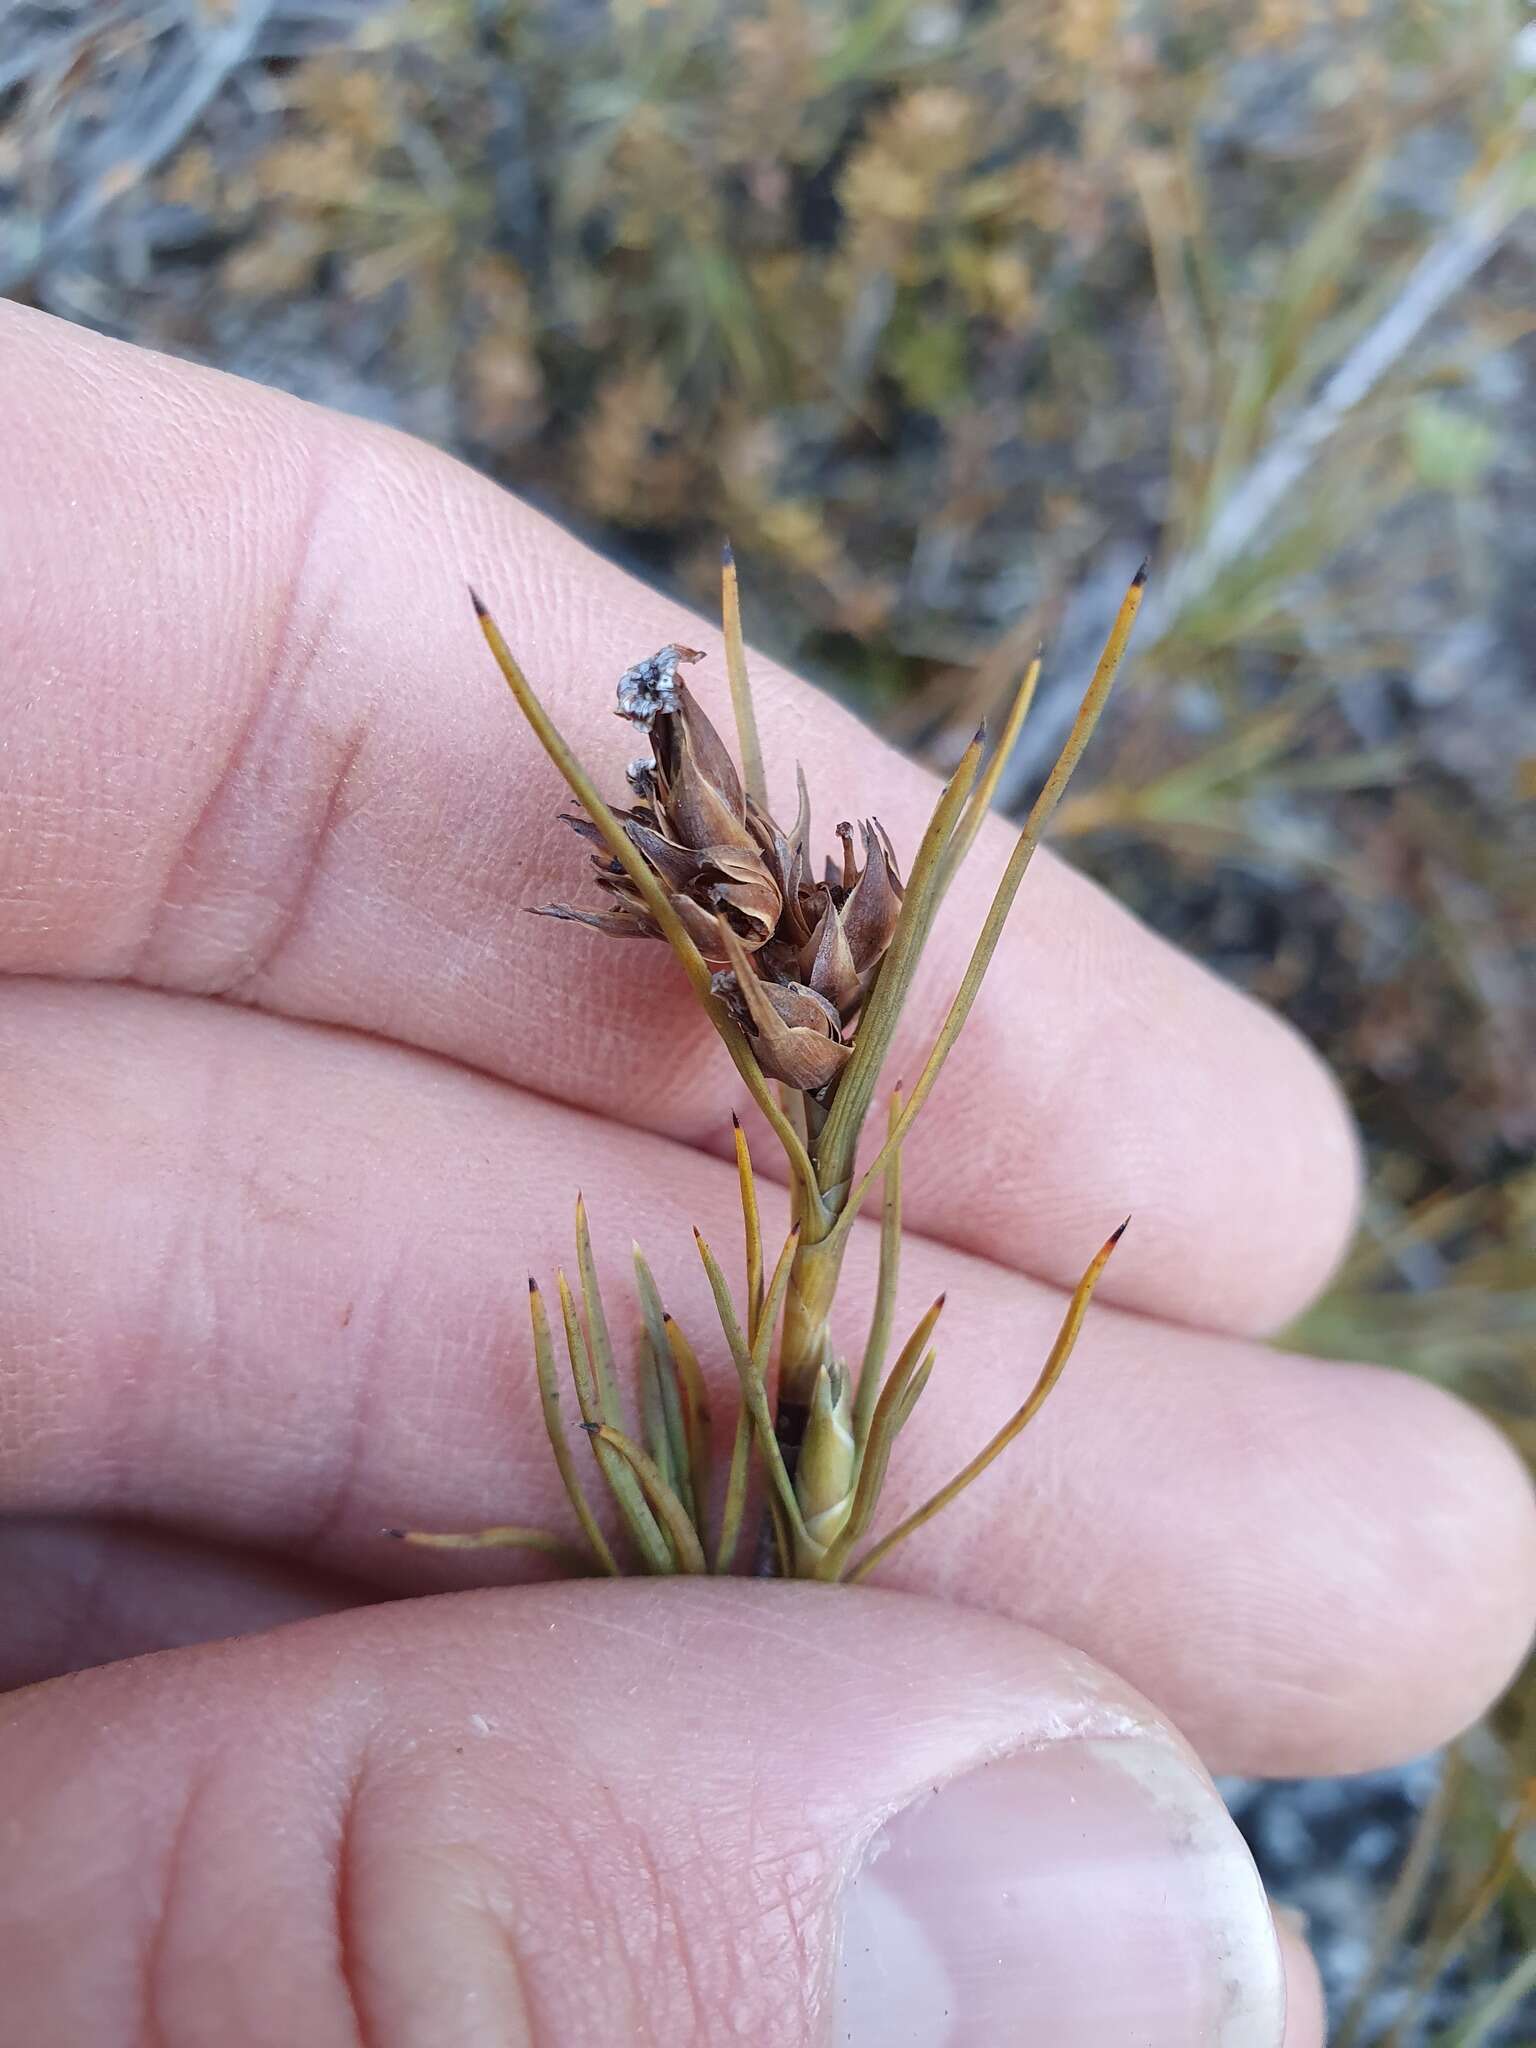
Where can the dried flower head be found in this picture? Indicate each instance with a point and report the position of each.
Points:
(804, 977)
(793, 953)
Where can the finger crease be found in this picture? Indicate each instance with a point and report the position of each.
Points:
(231, 899)
(344, 1911)
(153, 2031)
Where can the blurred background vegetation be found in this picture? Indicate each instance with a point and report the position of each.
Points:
(948, 312)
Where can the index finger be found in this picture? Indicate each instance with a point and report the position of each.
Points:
(255, 748)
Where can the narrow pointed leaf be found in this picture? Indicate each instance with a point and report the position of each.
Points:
(750, 1373)
(663, 1502)
(980, 804)
(510, 1536)
(696, 1425)
(741, 1449)
(877, 1024)
(783, 1541)
(752, 1227)
(913, 1393)
(1061, 1351)
(738, 1477)
(653, 1423)
(1007, 889)
(597, 1323)
(677, 1465)
(883, 1427)
(549, 1402)
(868, 1390)
(741, 687)
(622, 1483)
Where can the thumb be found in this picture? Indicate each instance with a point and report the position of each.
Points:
(677, 1812)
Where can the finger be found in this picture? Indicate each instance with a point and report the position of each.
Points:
(78, 1593)
(613, 1813)
(276, 1294)
(1306, 2017)
(256, 746)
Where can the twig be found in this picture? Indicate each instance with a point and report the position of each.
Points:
(1446, 265)
(219, 55)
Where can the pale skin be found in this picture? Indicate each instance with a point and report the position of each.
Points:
(294, 1098)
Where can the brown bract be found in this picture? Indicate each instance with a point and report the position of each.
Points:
(794, 956)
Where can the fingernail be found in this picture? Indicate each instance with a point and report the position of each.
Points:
(1085, 1894)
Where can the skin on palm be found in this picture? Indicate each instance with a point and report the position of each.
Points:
(274, 1286)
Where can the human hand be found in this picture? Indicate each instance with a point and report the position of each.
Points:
(294, 1097)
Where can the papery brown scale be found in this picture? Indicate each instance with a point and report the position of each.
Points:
(803, 1060)
(710, 752)
(702, 926)
(889, 851)
(737, 883)
(802, 1008)
(799, 873)
(772, 846)
(617, 924)
(616, 883)
(700, 791)
(677, 866)
(697, 812)
(872, 910)
(834, 973)
(795, 1032)
(779, 962)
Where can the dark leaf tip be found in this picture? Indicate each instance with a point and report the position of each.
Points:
(1116, 1235)
(394, 1535)
(727, 553)
(478, 603)
(591, 1428)
(1141, 574)
(533, 1285)
(735, 1120)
